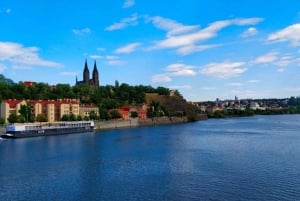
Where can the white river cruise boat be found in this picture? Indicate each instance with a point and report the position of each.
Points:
(44, 129)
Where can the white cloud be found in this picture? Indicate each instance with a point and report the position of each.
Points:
(131, 21)
(224, 70)
(19, 55)
(184, 37)
(185, 50)
(236, 84)
(2, 68)
(286, 61)
(275, 59)
(172, 70)
(81, 32)
(171, 26)
(101, 49)
(112, 57)
(161, 78)
(179, 69)
(253, 81)
(267, 58)
(128, 48)
(114, 61)
(290, 34)
(128, 3)
(250, 32)
(21, 67)
(68, 74)
(96, 56)
(246, 21)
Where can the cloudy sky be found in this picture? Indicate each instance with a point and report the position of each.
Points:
(206, 49)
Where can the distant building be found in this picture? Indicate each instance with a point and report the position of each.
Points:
(53, 110)
(29, 83)
(256, 106)
(126, 110)
(94, 81)
(86, 109)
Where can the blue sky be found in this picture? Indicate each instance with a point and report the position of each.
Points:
(206, 49)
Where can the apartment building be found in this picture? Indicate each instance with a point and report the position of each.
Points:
(52, 109)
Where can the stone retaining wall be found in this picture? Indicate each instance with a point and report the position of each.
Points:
(113, 124)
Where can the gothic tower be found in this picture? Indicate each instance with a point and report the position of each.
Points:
(86, 73)
(95, 76)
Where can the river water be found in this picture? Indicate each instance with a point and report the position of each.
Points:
(253, 158)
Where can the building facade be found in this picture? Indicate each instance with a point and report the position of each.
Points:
(86, 109)
(94, 81)
(53, 110)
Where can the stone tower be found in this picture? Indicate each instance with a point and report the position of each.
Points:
(94, 81)
(86, 73)
(95, 76)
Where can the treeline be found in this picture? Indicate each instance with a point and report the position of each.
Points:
(231, 113)
(250, 112)
(106, 97)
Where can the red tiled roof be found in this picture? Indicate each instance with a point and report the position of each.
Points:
(12, 103)
(28, 83)
(88, 106)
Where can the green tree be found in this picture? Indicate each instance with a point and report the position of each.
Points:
(2, 121)
(133, 114)
(12, 118)
(25, 111)
(83, 92)
(93, 115)
(41, 118)
(162, 91)
(115, 114)
(21, 119)
(79, 118)
(65, 117)
(63, 91)
(104, 114)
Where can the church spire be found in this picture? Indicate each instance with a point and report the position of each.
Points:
(95, 75)
(86, 73)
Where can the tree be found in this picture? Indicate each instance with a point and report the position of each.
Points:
(115, 114)
(25, 111)
(104, 114)
(65, 117)
(41, 118)
(93, 115)
(79, 118)
(63, 91)
(21, 119)
(2, 121)
(162, 91)
(133, 114)
(13, 118)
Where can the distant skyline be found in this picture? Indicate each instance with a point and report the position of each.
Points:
(205, 49)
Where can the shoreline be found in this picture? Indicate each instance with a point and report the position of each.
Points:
(132, 123)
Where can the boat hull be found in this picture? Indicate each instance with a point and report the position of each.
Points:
(47, 132)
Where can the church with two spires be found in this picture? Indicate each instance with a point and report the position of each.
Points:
(94, 81)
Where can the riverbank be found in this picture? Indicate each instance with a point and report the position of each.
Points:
(114, 124)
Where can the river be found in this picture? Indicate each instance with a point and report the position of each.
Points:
(251, 158)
